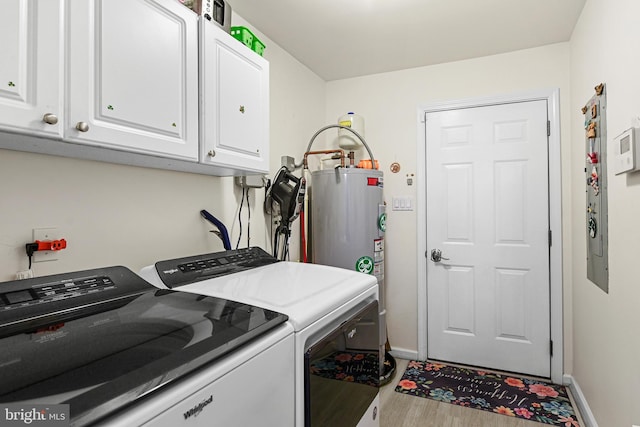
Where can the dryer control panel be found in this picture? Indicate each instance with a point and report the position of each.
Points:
(183, 271)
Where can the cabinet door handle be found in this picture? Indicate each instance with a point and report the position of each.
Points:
(50, 119)
(82, 126)
(211, 153)
(242, 109)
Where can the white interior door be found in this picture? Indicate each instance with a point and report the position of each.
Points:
(488, 213)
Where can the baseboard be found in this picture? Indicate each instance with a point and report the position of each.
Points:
(581, 401)
(402, 353)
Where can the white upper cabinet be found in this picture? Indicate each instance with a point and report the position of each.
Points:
(30, 67)
(132, 76)
(138, 82)
(234, 103)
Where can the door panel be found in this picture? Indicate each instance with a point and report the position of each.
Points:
(511, 286)
(487, 211)
(235, 102)
(460, 307)
(30, 66)
(510, 195)
(459, 218)
(133, 76)
(150, 71)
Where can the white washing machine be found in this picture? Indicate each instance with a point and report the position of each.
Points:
(334, 315)
(105, 348)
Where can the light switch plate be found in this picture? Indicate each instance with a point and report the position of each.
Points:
(402, 203)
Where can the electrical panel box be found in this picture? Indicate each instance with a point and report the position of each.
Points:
(596, 209)
(250, 181)
(625, 152)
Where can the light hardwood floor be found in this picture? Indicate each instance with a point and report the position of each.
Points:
(398, 410)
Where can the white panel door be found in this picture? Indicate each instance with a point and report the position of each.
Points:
(488, 215)
(30, 84)
(133, 76)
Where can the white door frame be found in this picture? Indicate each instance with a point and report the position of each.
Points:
(552, 96)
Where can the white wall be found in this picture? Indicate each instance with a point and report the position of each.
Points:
(296, 111)
(389, 104)
(112, 214)
(606, 339)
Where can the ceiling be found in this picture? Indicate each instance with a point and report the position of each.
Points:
(339, 39)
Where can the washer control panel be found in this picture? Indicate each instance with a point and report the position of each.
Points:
(34, 302)
(54, 291)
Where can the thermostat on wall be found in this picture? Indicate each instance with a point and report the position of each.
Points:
(625, 152)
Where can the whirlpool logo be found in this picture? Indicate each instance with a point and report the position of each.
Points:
(195, 411)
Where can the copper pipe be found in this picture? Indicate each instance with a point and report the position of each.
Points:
(313, 138)
(337, 151)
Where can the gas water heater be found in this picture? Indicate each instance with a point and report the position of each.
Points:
(348, 221)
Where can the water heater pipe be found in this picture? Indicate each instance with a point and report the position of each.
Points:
(339, 152)
(366, 146)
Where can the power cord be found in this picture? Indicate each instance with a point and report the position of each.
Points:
(31, 248)
(44, 245)
(240, 217)
(248, 220)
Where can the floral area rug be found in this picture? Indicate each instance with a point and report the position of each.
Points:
(508, 395)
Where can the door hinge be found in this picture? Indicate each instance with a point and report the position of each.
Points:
(551, 347)
(548, 127)
(550, 238)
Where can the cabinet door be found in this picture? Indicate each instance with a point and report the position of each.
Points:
(234, 102)
(133, 76)
(30, 66)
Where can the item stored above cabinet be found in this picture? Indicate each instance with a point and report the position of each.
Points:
(246, 37)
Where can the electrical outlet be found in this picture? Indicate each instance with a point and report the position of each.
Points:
(288, 162)
(42, 234)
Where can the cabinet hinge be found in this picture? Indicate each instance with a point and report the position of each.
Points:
(550, 238)
(548, 127)
(551, 347)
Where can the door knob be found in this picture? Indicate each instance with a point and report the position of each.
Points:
(82, 126)
(50, 119)
(436, 255)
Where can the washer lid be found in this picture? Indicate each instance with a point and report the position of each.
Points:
(304, 292)
(99, 340)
